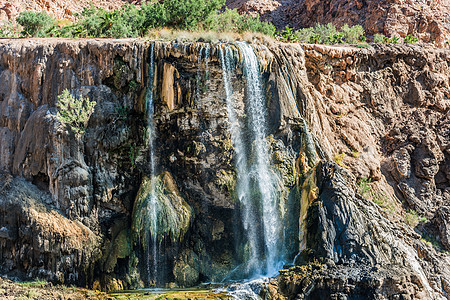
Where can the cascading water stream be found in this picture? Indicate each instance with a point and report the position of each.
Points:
(152, 266)
(204, 53)
(260, 169)
(256, 183)
(243, 179)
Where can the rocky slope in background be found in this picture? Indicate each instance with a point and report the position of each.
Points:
(428, 20)
(60, 9)
(380, 113)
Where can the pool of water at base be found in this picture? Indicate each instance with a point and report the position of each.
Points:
(243, 290)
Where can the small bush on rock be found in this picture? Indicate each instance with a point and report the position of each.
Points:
(325, 34)
(354, 34)
(410, 39)
(9, 29)
(288, 35)
(74, 111)
(394, 40)
(379, 38)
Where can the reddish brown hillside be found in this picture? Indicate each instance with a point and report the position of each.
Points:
(429, 20)
(60, 9)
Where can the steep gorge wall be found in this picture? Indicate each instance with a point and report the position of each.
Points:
(385, 108)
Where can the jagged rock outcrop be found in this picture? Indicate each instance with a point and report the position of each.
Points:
(38, 148)
(352, 251)
(379, 113)
(353, 100)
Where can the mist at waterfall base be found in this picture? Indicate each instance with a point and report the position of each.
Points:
(258, 190)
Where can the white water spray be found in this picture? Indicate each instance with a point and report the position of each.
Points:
(152, 208)
(260, 169)
(243, 178)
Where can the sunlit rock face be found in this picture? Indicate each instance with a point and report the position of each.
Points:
(212, 161)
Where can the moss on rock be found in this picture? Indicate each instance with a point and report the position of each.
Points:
(174, 213)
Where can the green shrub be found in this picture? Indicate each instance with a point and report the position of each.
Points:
(434, 242)
(337, 38)
(35, 24)
(189, 14)
(338, 158)
(96, 22)
(325, 32)
(231, 21)
(366, 46)
(254, 24)
(394, 40)
(154, 15)
(304, 34)
(288, 35)
(380, 199)
(9, 29)
(328, 34)
(413, 218)
(364, 186)
(379, 38)
(354, 34)
(314, 39)
(74, 111)
(410, 39)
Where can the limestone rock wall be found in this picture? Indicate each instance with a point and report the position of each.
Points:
(80, 180)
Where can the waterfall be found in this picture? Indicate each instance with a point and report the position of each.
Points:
(243, 180)
(260, 169)
(203, 54)
(152, 208)
(256, 189)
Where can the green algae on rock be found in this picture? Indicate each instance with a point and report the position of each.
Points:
(175, 214)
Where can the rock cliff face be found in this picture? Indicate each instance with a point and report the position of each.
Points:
(74, 210)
